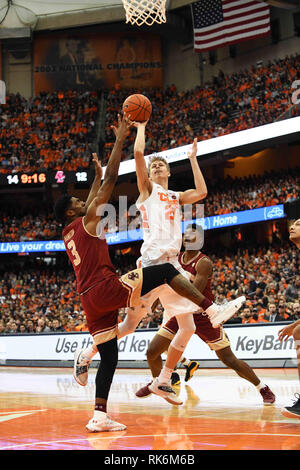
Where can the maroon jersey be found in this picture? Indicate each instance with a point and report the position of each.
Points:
(190, 267)
(89, 256)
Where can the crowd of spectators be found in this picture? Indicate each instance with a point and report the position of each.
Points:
(51, 131)
(56, 130)
(44, 299)
(27, 227)
(224, 196)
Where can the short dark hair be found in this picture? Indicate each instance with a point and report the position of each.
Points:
(194, 226)
(61, 206)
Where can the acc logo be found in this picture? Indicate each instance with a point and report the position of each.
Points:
(274, 213)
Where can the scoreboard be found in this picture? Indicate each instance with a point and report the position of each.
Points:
(57, 177)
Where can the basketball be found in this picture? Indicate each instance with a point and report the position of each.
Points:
(138, 107)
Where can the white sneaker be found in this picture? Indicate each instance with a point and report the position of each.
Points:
(165, 391)
(81, 368)
(224, 312)
(95, 425)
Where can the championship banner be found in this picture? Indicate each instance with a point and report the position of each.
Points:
(95, 61)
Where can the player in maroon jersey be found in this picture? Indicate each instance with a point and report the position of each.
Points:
(200, 270)
(102, 291)
(294, 328)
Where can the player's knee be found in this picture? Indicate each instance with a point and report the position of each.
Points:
(152, 352)
(182, 337)
(109, 354)
(189, 329)
(228, 358)
(230, 361)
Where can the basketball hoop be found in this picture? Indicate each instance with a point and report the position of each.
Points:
(145, 11)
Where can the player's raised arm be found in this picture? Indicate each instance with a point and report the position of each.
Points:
(111, 174)
(97, 180)
(143, 181)
(200, 192)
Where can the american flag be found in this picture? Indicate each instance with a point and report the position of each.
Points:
(220, 23)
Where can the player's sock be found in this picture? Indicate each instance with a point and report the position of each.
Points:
(100, 407)
(165, 375)
(100, 411)
(89, 353)
(260, 386)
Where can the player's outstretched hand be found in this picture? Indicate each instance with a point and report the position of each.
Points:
(193, 152)
(122, 130)
(286, 332)
(98, 167)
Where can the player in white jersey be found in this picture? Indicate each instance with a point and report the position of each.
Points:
(162, 233)
(161, 222)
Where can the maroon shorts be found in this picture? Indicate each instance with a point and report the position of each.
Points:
(102, 302)
(216, 338)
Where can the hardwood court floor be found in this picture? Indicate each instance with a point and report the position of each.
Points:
(45, 409)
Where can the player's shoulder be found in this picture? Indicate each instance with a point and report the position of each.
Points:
(203, 261)
(72, 226)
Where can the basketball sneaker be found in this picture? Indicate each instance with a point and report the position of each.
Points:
(175, 379)
(144, 391)
(268, 396)
(292, 411)
(107, 424)
(81, 367)
(165, 391)
(190, 370)
(224, 312)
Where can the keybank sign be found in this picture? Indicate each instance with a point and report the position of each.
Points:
(207, 223)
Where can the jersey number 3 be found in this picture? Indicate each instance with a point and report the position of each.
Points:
(72, 247)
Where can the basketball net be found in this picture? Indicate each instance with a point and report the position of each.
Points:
(147, 12)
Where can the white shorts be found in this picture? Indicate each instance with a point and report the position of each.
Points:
(173, 303)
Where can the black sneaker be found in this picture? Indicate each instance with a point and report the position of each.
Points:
(292, 411)
(190, 370)
(175, 379)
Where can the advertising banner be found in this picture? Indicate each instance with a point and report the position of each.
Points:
(116, 238)
(248, 342)
(95, 61)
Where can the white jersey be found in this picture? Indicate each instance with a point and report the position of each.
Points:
(162, 225)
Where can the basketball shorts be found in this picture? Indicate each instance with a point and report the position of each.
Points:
(102, 302)
(173, 303)
(215, 338)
